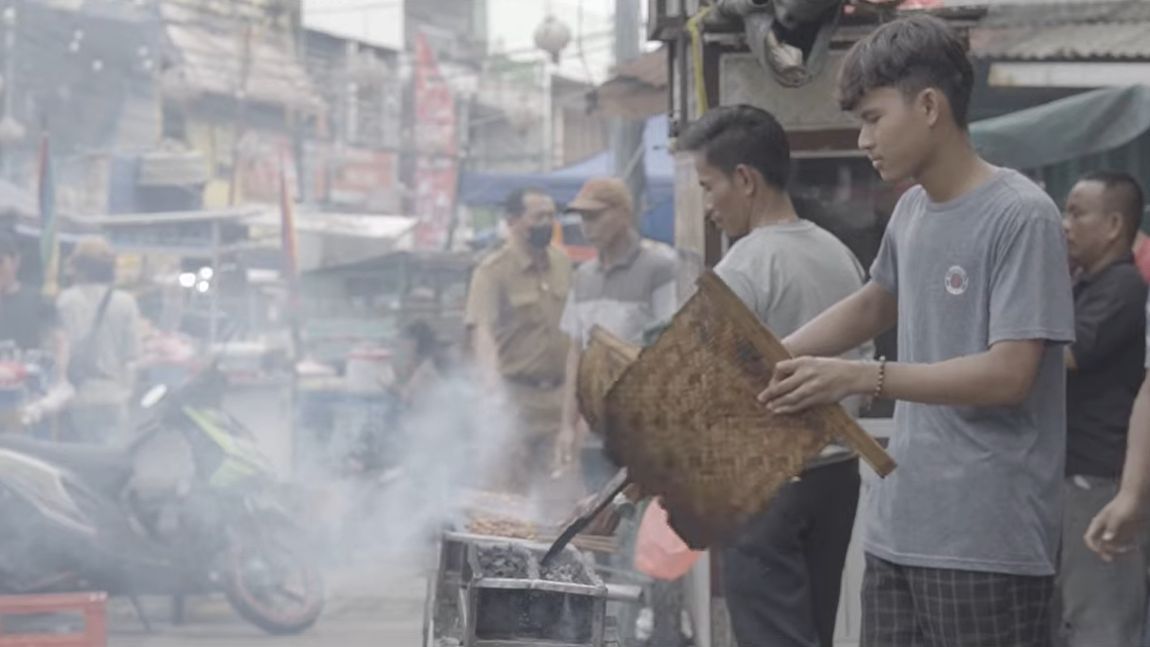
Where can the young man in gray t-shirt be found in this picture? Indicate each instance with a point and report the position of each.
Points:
(782, 573)
(961, 540)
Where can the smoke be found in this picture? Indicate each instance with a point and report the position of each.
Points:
(450, 443)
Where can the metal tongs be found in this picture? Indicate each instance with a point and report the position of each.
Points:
(588, 513)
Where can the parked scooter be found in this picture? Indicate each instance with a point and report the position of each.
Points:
(190, 507)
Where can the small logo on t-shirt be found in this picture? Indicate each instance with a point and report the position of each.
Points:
(956, 280)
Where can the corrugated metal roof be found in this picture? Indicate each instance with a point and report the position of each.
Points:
(1067, 13)
(1065, 31)
(1001, 3)
(1065, 42)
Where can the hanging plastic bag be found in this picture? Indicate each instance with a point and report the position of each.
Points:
(659, 552)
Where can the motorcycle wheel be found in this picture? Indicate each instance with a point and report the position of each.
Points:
(274, 587)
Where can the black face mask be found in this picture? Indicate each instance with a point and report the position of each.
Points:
(540, 236)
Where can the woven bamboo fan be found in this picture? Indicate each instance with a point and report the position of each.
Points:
(683, 418)
(600, 366)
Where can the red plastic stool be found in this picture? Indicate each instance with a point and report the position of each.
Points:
(90, 607)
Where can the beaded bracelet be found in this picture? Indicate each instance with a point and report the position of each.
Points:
(880, 385)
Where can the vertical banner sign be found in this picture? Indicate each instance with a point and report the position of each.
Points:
(437, 145)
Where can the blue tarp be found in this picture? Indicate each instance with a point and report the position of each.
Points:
(658, 222)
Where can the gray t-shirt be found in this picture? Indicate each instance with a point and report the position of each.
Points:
(977, 488)
(790, 273)
(624, 299)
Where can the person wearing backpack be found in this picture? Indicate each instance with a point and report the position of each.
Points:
(102, 326)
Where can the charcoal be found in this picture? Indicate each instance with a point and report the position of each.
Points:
(564, 569)
(502, 562)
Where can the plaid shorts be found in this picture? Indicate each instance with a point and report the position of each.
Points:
(904, 606)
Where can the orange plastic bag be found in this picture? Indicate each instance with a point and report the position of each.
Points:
(659, 552)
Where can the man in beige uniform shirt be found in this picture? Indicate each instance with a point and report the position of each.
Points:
(513, 311)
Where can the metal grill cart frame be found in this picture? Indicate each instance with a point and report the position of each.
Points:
(459, 591)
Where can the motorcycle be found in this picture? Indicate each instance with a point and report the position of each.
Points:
(190, 507)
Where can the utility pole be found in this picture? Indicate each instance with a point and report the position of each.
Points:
(297, 118)
(627, 134)
(239, 129)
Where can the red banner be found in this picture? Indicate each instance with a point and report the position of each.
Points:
(437, 143)
(260, 165)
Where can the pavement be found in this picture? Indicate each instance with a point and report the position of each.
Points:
(373, 599)
(376, 602)
(364, 609)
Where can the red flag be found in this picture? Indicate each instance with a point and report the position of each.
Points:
(290, 249)
(437, 161)
(288, 242)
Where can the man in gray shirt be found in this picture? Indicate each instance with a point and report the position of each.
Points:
(962, 539)
(628, 288)
(782, 573)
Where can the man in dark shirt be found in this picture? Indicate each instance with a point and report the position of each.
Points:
(25, 318)
(1103, 603)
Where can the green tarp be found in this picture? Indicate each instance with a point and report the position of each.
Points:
(1058, 142)
(1064, 130)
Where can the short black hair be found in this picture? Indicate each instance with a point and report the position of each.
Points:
(910, 54)
(1123, 194)
(732, 135)
(513, 205)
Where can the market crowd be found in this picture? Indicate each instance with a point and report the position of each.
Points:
(1022, 425)
(1016, 515)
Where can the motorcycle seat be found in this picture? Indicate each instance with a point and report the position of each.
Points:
(105, 469)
